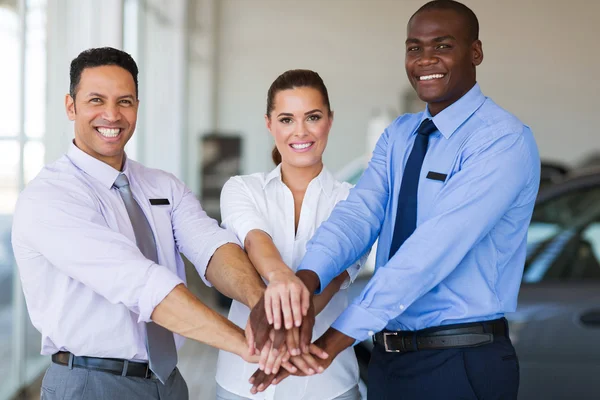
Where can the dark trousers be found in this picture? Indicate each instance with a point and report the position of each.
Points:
(477, 373)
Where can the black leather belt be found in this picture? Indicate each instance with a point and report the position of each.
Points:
(111, 365)
(442, 337)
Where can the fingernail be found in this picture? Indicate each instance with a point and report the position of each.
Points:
(261, 367)
(298, 323)
(294, 369)
(311, 371)
(251, 380)
(321, 369)
(268, 371)
(261, 387)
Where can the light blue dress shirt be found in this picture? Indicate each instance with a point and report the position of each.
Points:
(464, 261)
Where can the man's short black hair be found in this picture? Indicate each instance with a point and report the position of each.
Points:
(98, 57)
(459, 8)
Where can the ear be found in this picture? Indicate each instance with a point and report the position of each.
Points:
(268, 123)
(70, 107)
(477, 50)
(330, 119)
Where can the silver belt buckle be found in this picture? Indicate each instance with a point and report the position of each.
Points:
(385, 343)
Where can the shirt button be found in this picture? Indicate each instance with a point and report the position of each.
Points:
(401, 307)
(371, 333)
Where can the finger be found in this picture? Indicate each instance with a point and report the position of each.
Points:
(255, 376)
(289, 367)
(305, 335)
(317, 351)
(305, 298)
(296, 333)
(276, 305)
(292, 342)
(296, 305)
(312, 363)
(302, 365)
(280, 376)
(264, 355)
(278, 360)
(286, 308)
(261, 336)
(279, 338)
(273, 354)
(265, 383)
(250, 338)
(269, 309)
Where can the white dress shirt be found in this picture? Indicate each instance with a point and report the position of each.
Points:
(262, 201)
(89, 290)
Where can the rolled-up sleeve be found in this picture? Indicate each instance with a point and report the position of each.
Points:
(239, 212)
(66, 227)
(196, 234)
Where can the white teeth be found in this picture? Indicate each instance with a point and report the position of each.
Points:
(109, 132)
(430, 77)
(301, 146)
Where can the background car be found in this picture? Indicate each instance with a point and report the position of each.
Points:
(556, 327)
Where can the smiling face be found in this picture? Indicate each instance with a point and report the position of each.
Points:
(441, 57)
(105, 113)
(300, 124)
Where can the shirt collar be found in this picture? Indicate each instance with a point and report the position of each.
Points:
(325, 179)
(94, 167)
(452, 117)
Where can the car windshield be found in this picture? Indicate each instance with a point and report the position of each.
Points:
(563, 241)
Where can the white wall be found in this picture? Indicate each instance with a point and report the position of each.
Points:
(539, 61)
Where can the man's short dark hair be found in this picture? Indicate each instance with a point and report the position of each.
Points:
(459, 8)
(98, 57)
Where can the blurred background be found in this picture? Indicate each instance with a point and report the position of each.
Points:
(205, 67)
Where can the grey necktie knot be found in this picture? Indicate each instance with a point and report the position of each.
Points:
(162, 353)
(121, 181)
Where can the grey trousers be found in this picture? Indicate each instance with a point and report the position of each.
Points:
(60, 382)
(222, 394)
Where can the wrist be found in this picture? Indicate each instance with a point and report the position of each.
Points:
(310, 280)
(334, 342)
(280, 272)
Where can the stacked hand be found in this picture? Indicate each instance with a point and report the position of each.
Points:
(280, 329)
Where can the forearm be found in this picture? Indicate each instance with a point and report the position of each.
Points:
(181, 312)
(264, 255)
(232, 274)
(321, 300)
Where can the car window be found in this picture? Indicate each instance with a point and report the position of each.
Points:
(563, 241)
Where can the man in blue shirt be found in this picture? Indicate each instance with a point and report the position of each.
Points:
(449, 192)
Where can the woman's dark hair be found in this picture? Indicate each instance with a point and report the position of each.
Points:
(295, 78)
(99, 57)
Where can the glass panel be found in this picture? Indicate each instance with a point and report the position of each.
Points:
(33, 159)
(35, 67)
(9, 170)
(563, 241)
(131, 15)
(9, 69)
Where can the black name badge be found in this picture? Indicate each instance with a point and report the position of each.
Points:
(436, 176)
(159, 202)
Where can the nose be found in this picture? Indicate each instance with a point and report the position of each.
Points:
(302, 129)
(427, 58)
(112, 113)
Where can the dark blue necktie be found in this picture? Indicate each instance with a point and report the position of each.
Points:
(406, 215)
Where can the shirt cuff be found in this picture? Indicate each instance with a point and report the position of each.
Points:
(221, 239)
(159, 284)
(358, 323)
(322, 265)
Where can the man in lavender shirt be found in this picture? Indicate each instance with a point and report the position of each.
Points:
(110, 314)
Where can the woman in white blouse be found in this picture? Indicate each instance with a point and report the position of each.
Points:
(274, 215)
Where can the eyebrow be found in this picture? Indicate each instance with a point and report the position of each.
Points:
(125, 96)
(306, 113)
(436, 40)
